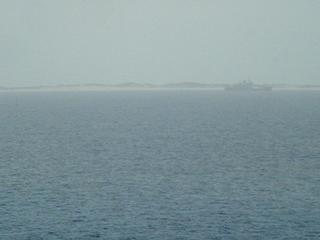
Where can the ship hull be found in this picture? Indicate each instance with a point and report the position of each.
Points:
(237, 89)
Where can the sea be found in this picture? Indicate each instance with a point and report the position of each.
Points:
(160, 165)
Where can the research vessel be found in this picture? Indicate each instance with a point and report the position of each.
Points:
(247, 85)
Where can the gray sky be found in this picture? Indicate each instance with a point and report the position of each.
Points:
(46, 42)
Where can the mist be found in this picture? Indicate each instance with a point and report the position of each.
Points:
(46, 42)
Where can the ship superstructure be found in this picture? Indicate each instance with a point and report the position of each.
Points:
(247, 85)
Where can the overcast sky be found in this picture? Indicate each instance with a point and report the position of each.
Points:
(47, 42)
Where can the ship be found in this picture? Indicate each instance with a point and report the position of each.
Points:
(247, 85)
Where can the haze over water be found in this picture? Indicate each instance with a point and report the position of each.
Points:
(110, 127)
(160, 165)
(45, 42)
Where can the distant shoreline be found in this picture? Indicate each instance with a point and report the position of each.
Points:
(141, 89)
(147, 87)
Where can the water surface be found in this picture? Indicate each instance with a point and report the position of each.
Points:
(160, 165)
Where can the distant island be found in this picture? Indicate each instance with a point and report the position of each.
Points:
(140, 86)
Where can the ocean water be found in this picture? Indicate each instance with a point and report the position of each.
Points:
(157, 165)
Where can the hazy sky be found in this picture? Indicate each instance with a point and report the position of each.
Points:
(46, 42)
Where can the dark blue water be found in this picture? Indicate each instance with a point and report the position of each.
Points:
(160, 165)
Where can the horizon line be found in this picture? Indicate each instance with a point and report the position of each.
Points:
(187, 84)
